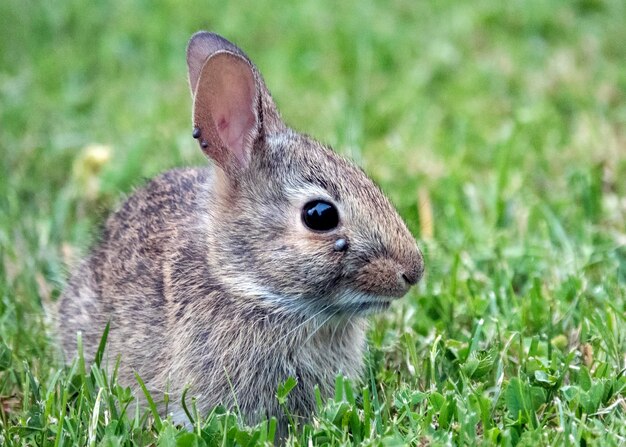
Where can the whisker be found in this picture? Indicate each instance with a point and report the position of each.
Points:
(301, 324)
(350, 321)
(332, 335)
(320, 326)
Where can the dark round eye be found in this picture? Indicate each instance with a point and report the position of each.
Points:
(319, 215)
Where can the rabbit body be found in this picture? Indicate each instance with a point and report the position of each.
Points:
(211, 278)
(177, 324)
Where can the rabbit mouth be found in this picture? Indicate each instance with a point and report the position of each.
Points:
(353, 302)
(368, 307)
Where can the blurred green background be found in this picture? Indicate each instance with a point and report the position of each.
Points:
(498, 129)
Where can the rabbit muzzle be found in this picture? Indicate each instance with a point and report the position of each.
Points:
(388, 277)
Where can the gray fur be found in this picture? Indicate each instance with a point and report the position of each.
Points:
(209, 277)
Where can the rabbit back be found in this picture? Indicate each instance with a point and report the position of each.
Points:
(122, 282)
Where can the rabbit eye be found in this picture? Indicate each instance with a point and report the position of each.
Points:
(319, 215)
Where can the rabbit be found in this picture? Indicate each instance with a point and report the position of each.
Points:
(234, 277)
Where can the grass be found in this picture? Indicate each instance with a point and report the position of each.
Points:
(498, 128)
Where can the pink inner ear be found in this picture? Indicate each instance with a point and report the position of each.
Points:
(233, 104)
(234, 128)
(222, 124)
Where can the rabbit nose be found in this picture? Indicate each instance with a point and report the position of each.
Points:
(414, 269)
(411, 278)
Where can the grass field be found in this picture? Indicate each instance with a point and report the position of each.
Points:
(498, 129)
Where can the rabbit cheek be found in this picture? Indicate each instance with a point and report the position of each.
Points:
(321, 261)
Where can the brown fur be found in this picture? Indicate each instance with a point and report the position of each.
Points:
(210, 278)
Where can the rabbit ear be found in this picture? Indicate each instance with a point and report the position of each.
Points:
(231, 105)
(225, 109)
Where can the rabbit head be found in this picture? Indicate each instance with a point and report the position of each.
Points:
(293, 225)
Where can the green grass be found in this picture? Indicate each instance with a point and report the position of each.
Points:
(498, 128)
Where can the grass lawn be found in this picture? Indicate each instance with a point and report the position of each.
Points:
(498, 129)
